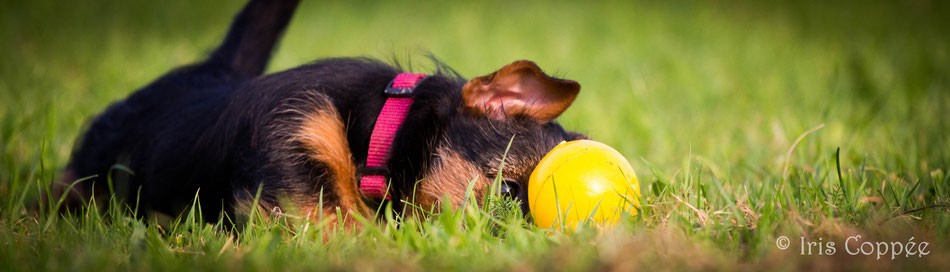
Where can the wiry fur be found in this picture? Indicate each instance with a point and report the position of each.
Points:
(297, 135)
(322, 135)
(446, 180)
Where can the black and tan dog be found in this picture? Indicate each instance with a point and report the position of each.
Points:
(220, 129)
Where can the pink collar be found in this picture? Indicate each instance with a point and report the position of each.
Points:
(399, 91)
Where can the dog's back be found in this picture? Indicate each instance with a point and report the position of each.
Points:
(165, 119)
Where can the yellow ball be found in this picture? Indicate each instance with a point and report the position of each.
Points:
(581, 180)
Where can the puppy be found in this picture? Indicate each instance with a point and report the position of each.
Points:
(314, 139)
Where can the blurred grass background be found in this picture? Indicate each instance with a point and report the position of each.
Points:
(704, 97)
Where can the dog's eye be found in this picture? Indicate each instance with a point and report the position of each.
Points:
(510, 187)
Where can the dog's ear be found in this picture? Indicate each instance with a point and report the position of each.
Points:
(519, 88)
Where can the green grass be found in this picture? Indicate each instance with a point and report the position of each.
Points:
(706, 99)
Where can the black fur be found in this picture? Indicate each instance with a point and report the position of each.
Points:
(211, 126)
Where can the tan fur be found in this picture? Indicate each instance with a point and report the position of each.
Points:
(449, 177)
(322, 134)
(316, 127)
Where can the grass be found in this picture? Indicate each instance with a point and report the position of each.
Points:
(710, 101)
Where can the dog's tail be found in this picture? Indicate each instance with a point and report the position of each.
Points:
(253, 35)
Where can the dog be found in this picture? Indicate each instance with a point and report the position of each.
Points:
(220, 133)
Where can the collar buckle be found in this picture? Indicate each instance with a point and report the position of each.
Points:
(403, 85)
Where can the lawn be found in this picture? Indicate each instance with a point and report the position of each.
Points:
(746, 122)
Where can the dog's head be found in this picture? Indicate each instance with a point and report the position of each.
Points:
(516, 104)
